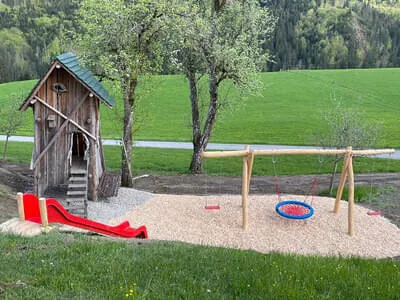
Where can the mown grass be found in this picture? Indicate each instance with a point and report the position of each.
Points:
(176, 161)
(362, 194)
(288, 111)
(60, 266)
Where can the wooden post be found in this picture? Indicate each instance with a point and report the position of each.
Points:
(250, 162)
(350, 175)
(20, 201)
(43, 212)
(244, 191)
(342, 180)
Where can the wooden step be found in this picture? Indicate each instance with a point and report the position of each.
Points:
(76, 193)
(80, 175)
(75, 185)
(75, 171)
(77, 181)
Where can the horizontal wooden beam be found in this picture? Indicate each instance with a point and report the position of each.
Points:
(215, 154)
(300, 151)
(372, 152)
(273, 152)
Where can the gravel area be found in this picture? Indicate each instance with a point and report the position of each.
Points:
(183, 218)
(113, 207)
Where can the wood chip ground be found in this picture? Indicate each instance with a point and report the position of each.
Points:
(183, 218)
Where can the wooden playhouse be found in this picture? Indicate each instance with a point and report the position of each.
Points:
(67, 143)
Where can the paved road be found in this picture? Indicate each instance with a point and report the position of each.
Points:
(186, 145)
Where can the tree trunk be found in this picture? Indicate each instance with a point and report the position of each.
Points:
(196, 163)
(200, 141)
(129, 110)
(5, 147)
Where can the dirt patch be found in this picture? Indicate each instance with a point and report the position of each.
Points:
(14, 178)
(18, 178)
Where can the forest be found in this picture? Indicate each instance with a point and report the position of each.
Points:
(309, 34)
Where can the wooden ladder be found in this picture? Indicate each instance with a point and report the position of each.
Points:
(77, 191)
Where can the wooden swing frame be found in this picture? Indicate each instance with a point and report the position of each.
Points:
(347, 172)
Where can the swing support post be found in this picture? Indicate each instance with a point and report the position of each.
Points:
(350, 175)
(342, 181)
(245, 191)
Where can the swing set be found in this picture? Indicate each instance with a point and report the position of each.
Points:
(294, 209)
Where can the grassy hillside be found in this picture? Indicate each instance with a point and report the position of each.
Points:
(288, 111)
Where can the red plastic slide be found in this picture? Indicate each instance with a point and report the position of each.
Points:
(57, 214)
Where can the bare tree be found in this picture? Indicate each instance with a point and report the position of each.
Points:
(347, 127)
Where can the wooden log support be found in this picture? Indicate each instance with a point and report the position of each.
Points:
(350, 175)
(66, 118)
(20, 202)
(245, 189)
(43, 212)
(371, 152)
(219, 154)
(342, 180)
(60, 130)
(274, 152)
(250, 162)
(322, 152)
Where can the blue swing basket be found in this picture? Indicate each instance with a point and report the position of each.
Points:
(293, 209)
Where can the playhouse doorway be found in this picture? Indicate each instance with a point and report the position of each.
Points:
(79, 147)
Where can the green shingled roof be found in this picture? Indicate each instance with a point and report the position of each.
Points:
(70, 61)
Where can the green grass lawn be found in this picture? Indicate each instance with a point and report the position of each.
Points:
(65, 266)
(176, 161)
(68, 266)
(288, 110)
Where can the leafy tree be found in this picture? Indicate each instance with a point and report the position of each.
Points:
(10, 119)
(121, 40)
(14, 53)
(222, 40)
(347, 127)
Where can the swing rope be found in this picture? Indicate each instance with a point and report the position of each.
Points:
(315, 181)
(207, 206)
(294, 209)
(276, 180)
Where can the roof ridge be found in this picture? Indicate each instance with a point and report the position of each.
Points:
(71, 62)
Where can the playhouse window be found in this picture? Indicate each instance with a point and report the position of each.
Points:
(59, 88)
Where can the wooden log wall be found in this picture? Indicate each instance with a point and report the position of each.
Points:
(53, 167)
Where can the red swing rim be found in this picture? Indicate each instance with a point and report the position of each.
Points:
(212, 207)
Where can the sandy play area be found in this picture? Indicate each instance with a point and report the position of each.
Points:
(183, 218)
